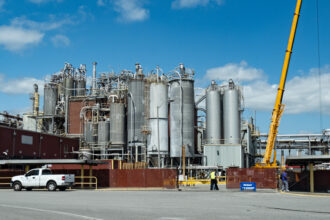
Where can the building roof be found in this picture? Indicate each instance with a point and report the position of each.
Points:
(304, 160)
(50, 161)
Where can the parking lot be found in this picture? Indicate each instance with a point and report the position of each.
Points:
(161, 204)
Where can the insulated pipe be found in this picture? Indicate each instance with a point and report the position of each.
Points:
(94, 79)
(36, 100)
(66, 115)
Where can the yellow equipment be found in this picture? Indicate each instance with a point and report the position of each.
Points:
(279, 107)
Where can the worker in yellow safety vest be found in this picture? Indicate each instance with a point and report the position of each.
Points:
(214, 181)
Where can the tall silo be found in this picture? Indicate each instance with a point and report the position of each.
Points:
(213, 115)
(80, 81)
(231, 114)
(117, 125)
(50, 99)
(80, 87)
(103, 136)
(135, 110)
(69, 87)
(158, 120)
(182, 107)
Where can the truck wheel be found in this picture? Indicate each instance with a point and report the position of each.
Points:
(17, 186)
(29, 189)
(62, 188)
(51, 186)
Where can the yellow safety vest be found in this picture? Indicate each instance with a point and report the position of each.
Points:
(212, 175)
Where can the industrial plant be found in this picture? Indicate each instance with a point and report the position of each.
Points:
(155, 123)
(154, 118)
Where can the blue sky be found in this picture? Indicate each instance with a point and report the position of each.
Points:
(219, 39)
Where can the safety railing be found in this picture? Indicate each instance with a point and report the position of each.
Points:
(5, 178)
(82, 182)
(192, 182)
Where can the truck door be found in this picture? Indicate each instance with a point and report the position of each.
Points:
(32, 178)
(44, 177)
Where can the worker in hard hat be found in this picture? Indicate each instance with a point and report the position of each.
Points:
(214, 182)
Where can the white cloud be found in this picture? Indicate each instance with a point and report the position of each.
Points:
(131, 10)
(43, 1)
(302, 93)
(20, 85)
(237, 72)
(60, 40)
(22, 32)
(38, 1)
(100, 3)
(17, 38)
(2, 2)
(178, 4)
(42, 26)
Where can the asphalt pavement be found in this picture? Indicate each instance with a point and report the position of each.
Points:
(190, 203)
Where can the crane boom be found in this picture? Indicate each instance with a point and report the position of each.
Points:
(279, 107)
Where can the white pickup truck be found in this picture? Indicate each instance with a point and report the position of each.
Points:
(41, 178)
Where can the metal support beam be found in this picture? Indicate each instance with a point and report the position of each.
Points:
(90, 175)
(183, 161)
(82, 175)
(27, 168)
(311, 177)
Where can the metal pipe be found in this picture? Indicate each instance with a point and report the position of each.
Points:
(158, 135)
(94, 79)
(133, 103)
(66, 113)
(36, 100)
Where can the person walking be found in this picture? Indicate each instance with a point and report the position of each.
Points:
(285, 184)
(214, 182)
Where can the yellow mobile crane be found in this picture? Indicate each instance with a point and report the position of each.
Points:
(279, 107)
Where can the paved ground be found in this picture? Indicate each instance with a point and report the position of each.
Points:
(191, 203)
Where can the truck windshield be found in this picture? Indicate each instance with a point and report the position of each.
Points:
(46, 172)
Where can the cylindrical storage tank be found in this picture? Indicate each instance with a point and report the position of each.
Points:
(213, 116)
(69, 89)
(117, 124)
(103, 137)
(88, 132)
(135, 111)
(231, 115)
(50, 99)
(158, 121)
(80, 87)
(182, 117)
(103, 132)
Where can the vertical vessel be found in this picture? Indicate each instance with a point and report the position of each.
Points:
(231, 114)
(213, 115)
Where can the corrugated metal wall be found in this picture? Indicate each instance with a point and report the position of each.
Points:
(23, 144)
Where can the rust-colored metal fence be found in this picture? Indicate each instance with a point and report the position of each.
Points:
(165, 178)
(265, 178)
